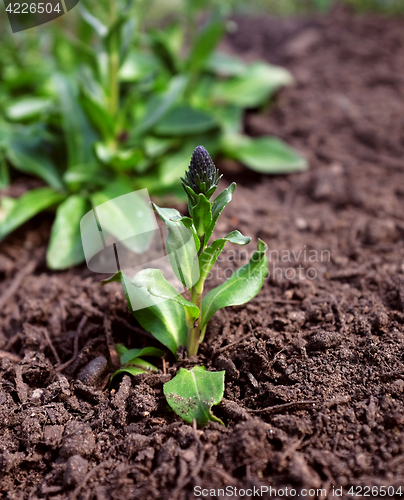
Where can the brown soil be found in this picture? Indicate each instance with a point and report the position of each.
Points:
(314, 392)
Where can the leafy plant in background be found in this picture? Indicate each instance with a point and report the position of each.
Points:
(174, 320)
(392, 7)
(119, 107)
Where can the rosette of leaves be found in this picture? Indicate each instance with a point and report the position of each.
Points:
(118, 107)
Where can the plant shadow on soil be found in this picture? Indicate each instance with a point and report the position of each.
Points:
(325, 354)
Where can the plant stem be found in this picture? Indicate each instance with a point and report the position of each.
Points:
(114, 84)
(194, 331)
(113, 65)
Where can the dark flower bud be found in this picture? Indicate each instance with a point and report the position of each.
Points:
(202, 175)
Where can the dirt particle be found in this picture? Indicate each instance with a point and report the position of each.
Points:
(76, 469)
(142, 402)
(53, 435)
(222, 363)
(35, 368)
(78, 439)
(323, 340)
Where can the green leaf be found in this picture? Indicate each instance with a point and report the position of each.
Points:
(137, 66)
(158, 105)
(79, 135)
(119, 35)
(202, 215)
(128, 159)
(65, 248)
(98, 114)
(205, 43)
(209, 256)
(6, 134)
(121, 349)
(160, 43)
(28, 205)
(139, 366)
(93, 21)
(254, 87)
(267, 155)
(87, 174)
(130, 354)
(180, 247)
(189, 223)
(27, 108)
(236, 238)
(124, 217)
(192, 393)
(230, 117)
(127, 32)
(165, 320)
(27, 138)
(218, 205)
(141, 363)
(4, 173)
(155, 283)
(6, 205)
(241, 287)
(70, 52)
(157, 146)
(33, 163)
(225, 65)
(184, 120)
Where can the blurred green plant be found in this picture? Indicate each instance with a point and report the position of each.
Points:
(117, 106)
(284, 7)
(304, 7)
(391, 7)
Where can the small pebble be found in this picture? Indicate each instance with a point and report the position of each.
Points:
(301, 223)
(233, 410)
(323, 340)
(253, 380)
(90, 373)
(36, 397)
(222, 363)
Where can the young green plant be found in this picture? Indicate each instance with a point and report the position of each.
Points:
(173, 319)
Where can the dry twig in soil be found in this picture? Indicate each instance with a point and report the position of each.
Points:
(82, 324)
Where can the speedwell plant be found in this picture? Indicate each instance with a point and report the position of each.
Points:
(173, 319)
(176, 321)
